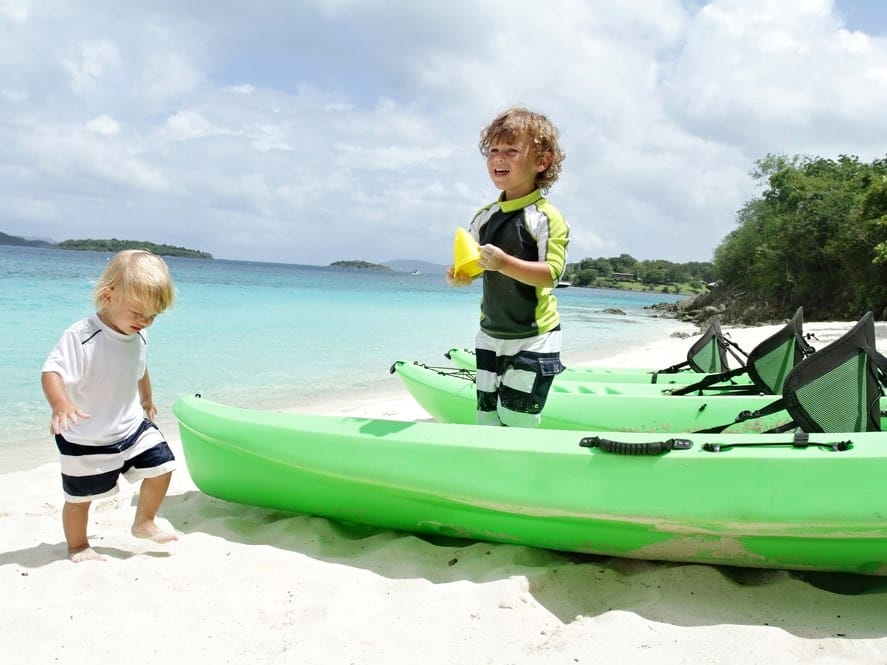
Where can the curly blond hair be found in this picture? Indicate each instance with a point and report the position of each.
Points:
(518, 122)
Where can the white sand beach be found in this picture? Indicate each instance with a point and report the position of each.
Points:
(247, 585)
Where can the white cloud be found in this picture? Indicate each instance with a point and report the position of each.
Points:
(94, 60)
(309, 132)
(168, 74)
(187, 124)
(16, 11)
(244, 89)
(93, 163)
(104, 124)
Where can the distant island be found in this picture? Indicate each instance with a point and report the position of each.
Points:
(6, 239)
(105, 245)
(114, 245)
(359, 265)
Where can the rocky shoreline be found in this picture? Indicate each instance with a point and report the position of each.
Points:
(732, 307)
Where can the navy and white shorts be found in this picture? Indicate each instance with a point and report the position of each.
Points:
(514, 377)
(92, 472)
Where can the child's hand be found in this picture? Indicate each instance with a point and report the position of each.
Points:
(492, 257)
(68, 413)
(457, 278)
(150, 410)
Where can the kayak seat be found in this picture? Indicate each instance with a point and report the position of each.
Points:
(839, 388)
(770, 361)
(836, 389)
(708, 354)
(767, 365)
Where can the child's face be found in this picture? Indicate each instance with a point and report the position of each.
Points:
(125, 315)
(513, 165)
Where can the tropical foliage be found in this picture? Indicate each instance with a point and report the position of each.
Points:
(359, 265)
(816, 237)
(624, 270)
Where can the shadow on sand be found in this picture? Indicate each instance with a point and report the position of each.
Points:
(809, 605)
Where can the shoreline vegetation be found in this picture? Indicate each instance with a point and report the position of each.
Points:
(104, 245)
(114, 245)
(360, 265)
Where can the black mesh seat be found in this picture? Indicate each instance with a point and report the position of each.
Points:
(708, 354)
(837, 389)
(768, 363)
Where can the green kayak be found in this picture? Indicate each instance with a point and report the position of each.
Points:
(716, 498)
(449, 396)
(842, 381)
(706, 369)
(631, 376)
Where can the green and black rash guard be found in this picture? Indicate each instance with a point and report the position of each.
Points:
(532, 229)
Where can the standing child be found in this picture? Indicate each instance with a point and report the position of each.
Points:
(523, 251)
(96, 382)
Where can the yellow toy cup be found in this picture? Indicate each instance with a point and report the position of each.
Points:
(466, 254)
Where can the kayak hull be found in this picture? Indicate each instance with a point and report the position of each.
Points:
(770, 506)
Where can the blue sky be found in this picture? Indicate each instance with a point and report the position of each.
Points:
(319, 130)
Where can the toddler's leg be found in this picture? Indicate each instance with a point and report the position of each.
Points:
(75, 517)
(151, 495)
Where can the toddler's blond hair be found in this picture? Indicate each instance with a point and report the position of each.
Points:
(140, 277)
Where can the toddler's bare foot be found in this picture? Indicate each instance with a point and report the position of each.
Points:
(84, 554)
(151, 531)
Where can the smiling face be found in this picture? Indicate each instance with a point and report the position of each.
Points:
(513, 165)
(125, 315)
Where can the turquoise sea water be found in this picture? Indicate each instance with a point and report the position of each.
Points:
(268, 335)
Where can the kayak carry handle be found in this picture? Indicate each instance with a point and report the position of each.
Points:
(624, 448)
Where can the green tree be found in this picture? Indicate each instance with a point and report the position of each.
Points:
(811, 238)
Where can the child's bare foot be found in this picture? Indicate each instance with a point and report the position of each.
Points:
(149, 529)
(84, 554)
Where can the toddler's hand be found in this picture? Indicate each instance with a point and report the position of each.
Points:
(70, 413)
(150, 411)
